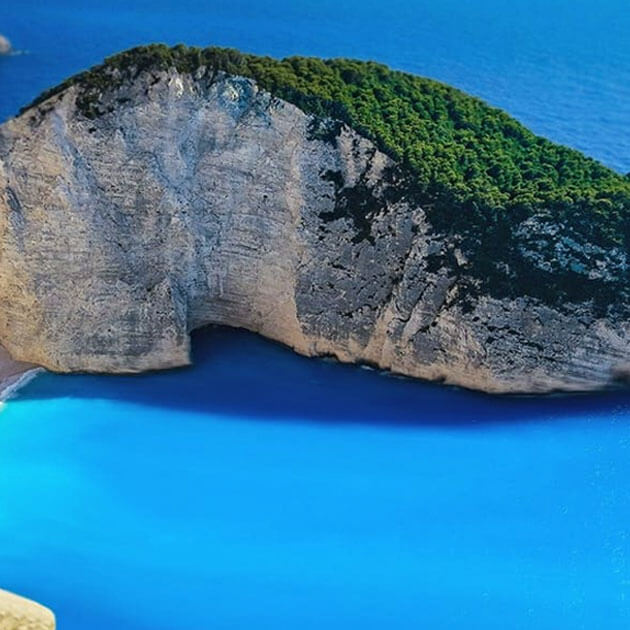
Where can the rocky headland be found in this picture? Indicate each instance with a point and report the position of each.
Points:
(170, 189)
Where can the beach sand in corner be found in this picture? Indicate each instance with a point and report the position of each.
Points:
(13, 373)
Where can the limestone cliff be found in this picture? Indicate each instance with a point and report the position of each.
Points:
(197, 199)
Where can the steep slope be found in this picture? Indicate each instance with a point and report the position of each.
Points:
(337, 207)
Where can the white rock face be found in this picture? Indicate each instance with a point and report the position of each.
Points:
(199, 202)
(5, 45)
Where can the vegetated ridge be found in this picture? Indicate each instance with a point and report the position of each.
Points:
(477, 171)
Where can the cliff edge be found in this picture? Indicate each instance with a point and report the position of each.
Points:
(147, 198)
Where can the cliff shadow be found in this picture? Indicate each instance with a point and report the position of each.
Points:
(237, 373)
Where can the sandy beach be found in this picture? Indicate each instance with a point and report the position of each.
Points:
(13, 374)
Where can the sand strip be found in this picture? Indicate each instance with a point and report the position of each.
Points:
(14, 374)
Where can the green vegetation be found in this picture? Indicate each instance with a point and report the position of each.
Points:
(476, 170)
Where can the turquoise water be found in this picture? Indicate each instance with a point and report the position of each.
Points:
(263, 490)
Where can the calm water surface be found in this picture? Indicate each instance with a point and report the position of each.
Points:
(263, 490)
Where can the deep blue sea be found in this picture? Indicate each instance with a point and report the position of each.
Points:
(260, 489)
(562, 67)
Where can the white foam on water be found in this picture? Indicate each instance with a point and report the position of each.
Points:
(14, 385)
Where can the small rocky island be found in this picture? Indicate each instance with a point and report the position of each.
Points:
(339, 207)
(5, 45)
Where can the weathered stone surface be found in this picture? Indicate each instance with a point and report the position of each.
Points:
(193, 201)
(18, 613)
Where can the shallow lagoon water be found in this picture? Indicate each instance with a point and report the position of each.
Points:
(263, 489)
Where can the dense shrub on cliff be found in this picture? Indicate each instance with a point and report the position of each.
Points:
(478, 171)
